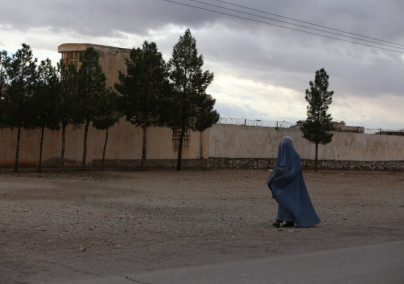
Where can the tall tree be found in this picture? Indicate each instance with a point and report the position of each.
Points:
(91, 87)
(107, 115)
(318, 124)
(45, 101)
(143, 89)
(21, 75)
(66, 102)
(190, 84)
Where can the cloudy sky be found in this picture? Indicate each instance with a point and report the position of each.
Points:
(261, 69)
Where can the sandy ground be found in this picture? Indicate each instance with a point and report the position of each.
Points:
(156, 219)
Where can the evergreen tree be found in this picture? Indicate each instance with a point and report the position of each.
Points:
(66, 102)
(21, 74)
(143, 89)
(191, 108)
(318, 122)
(107, 115)
(45, 101)
(91, 87)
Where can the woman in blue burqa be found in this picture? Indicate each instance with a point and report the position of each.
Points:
(289, 190)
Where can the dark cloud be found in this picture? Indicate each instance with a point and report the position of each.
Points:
(101, 17)
(261, 52)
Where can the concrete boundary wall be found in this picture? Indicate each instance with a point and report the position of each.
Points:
(124, 143)
(223, 146)
(235, 141)
(235, 146)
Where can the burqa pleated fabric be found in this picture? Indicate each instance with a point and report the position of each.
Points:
(288, 188)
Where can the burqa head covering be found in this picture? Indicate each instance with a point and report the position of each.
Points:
(286, 151)
(286, 139)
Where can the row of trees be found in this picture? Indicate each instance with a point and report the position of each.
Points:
(150, 93)
(40, 95)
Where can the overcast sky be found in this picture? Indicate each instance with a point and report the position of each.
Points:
(261, 70)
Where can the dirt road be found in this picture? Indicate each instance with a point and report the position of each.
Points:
(156, 219)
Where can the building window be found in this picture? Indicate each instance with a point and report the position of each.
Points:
(72, 58)
(177, 135)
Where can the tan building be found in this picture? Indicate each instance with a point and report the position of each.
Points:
(342, 127)
(112, 59)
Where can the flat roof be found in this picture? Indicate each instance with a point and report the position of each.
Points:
(66, 47)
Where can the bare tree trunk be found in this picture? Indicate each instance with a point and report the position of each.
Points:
(183, 119)
(180, 148)
(315, 163)
(143, 161)
(17, 150)
(83, 163)
(201, 148)
(40, 149)
(62, 152)
(105, 147)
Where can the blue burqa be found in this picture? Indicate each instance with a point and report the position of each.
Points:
(289, 190)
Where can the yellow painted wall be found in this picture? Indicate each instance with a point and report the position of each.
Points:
(124, 142)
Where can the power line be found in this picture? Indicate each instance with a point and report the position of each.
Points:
(297, 25)
(280, 26)
(305, 22)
